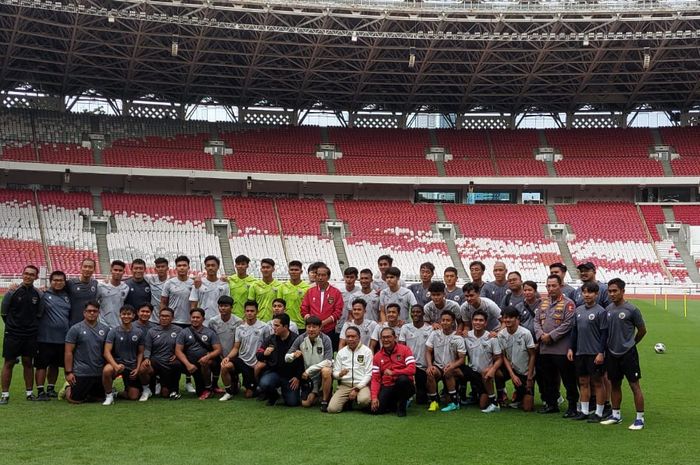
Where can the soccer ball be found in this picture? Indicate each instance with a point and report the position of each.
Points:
(660, 348)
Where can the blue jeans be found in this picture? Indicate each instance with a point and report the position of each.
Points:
(270, 381)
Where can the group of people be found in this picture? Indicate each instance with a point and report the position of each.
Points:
(383, 344)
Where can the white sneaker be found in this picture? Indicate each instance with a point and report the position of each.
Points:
(157, 389)
(492, 408)
(189, 388)
(225, 397)
(560, 400)
(145, 395)
(109, 400)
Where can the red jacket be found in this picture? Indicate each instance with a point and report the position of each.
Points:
(400, 362)
(332, 305)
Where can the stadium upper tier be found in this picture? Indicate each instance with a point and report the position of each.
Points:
(379, 152)
(54, 229)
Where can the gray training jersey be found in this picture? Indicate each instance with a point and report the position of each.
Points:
(80, 294)
(89, 343)
(196, 344)
(515, 348)
(178, 294)
(431, 314)
(372, 301)
(481, 350)
(489, 306)
(250, 337)
(589, 324)
(226, 330)
(420, 293)
(455, 295)
(603, 299)
(156, 292)
(446, 347)
(347, 306)
(622, 322)
(139, 293)
(403, 297)
(111, 299)
(494, 291)
(415, 339)
(55, 318)
(160, 343)
(207, 297)
(125, 345)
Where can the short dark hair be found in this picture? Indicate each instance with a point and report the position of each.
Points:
(387, 328)
(437, 287)
(511, 312)
(138, 261)
(117, 263)
(394, 305)
(160, 260)
(360, 301)
(57, 273)
(313, 321)
(296, 263)
(450, 313)
(147, 305)
(197, 310)
(182, 258)
(88, 259)
(282, 301)
(36, 270)
(450, 269)
(314, 266)
(393, 271)
(352, 328)
(428, 266)
(350, 271)
(91, 303)
(478, 263)
(167, 309)
(386, 258)
(516, 273)
(617, 282)
(471, 286)
(367, 271)
(225, 300)
(532, 284)
(250, 303)
(284, 319)
(325, 267)
(418, 306)
(127, 308)
(590, 286)
(267, 261)
(481, 312)
(559, 265)
(242, 259)
(212, 257)
(555, 276)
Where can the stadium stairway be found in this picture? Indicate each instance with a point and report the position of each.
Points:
(102, 249)
(650, 238)
(330, 166)
(492, 154)
(564, 250)
(221, 232)
(451, 246)
(42, 232)
(682, 247)
(658, 140)
(337, 237)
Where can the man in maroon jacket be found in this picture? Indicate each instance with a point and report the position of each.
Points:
(325, 302)
(392, 375)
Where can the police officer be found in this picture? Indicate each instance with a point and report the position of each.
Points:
(553, 325)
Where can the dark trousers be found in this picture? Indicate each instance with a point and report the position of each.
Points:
(554, 367)
(271, 380)
(395, 397)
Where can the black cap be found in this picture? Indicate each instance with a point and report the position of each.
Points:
(586, 266)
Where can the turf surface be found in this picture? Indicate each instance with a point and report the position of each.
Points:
(240, 431)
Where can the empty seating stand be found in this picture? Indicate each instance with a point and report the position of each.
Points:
(686, 142)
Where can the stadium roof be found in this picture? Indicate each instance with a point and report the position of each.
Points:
(505, 56)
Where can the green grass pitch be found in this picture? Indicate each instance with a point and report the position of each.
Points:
(248, 432)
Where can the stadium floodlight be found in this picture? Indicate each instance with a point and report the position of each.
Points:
(412, 57)
(647, 58)
(354, 36)
(175, 46)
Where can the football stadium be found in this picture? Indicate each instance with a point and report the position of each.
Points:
(480, 215)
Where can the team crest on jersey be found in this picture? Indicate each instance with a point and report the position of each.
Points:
(621, 316)
(399, 357)
(121, 338)
(205, 338)
(591, 316)
(331, 300)
(101, 332)
(319, 350)
(173, 335)
(92, 288)
(66, 299)
(134, 338)
(360, 359)
(35, 300)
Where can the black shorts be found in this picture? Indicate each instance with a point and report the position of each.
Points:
(18, 346)
(246, 371)
(585, 366)
(49, 354)
(475, 378)
(623, 366)
(128, 382)
(87, 388)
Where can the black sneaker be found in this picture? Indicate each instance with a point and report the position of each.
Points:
(174, 396)
(401, 410)
(43, 397)
(306, 387)
(31, 397)
(4, 400)
(52, 393)
(548, 409)
(580, 416)
(593, 418)
(324, 406)
(570, 414)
